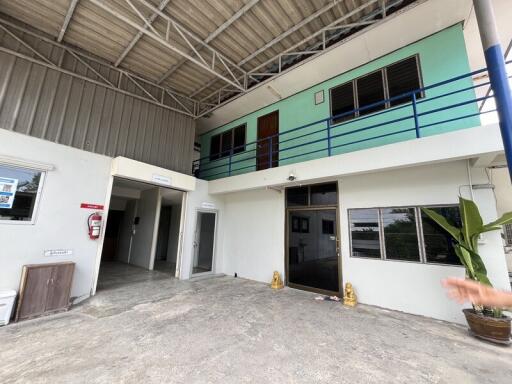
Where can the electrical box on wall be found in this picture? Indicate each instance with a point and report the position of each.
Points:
(319, 97)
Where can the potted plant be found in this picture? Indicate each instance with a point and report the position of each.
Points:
(486, 323)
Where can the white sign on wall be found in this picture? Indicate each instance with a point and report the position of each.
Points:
(58, 252)
(159, 179)
(8, 188)
(207, 205)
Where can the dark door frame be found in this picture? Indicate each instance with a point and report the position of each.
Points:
(275, 144)
(338, 249)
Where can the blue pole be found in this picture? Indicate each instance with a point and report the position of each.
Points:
(497, 72)
(229, 166)
(415, 113)
(329, 150)
(270, 153)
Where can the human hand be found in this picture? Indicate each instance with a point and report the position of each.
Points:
(479, 294)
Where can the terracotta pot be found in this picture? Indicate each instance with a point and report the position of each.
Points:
(496, 330)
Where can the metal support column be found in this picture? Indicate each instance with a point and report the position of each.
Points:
(497, 72)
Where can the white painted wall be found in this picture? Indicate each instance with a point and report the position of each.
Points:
(413, 287)
(145, 237)
(501, 179)
(194, 202)
(253, 224)
(136, 170)
(78, 176)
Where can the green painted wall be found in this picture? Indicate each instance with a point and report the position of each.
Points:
(442, 56)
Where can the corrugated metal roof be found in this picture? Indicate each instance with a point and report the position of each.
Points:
(247, 32)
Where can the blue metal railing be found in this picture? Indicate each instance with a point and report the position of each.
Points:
(236, 160)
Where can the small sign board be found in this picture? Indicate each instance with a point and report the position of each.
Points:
(207, 205)
(8, 188)
(58, 252)
(159, 179)
(92, 206)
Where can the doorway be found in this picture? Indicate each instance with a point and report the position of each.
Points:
(312, 242)
(168, 232)
(204, 242)
(141, 235)
(267, 153)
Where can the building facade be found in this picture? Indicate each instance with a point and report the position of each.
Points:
(319, 173)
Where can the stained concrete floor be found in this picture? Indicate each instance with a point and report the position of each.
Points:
(227, 330)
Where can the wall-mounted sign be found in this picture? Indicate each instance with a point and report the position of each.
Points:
(207, 205)
(159, 179)
(319, 97)
(92, 206)
(58, 252)
(8, 188)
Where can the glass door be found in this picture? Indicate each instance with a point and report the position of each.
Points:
(313, 261)
(204, 242)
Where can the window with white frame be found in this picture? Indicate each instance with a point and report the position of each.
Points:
(385, 83)
(19, 193)
(402, 234)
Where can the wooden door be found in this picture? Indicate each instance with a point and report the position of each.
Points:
(267, 155)
(59, 287)
(35, 284)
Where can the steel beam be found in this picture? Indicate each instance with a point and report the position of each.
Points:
(211, 36)
(93, 75)
(139, 34)
(278, 56)
(67, 19)
(365, 21)
(186, 35)
(277, 39)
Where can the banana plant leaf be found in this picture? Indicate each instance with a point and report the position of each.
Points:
(476, 260)
(495, 225)
(472, 223)
(441, 221)
(465, 259)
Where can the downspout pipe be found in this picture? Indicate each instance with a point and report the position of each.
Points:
(497, 72)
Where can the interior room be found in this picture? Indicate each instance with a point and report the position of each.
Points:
(141, 235)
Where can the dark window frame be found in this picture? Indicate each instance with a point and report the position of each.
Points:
(387, 105)
(419, 233)
(223, 154)
(309, 204)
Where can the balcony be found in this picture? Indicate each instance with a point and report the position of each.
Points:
(439, 108)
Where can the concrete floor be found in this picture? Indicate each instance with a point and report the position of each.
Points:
(227, 330)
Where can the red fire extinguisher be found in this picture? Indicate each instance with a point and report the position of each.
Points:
(94, 225)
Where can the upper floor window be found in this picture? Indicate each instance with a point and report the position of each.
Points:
(388, 82)
(19, 192)
(403, 234)
(227, 142)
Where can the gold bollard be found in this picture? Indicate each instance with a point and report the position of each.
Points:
(349, 298)
(277, 282)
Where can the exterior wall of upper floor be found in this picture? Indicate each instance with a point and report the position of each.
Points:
(441, 56)
(59, 107)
